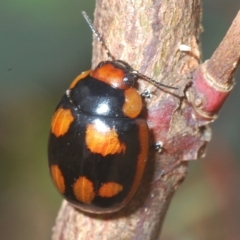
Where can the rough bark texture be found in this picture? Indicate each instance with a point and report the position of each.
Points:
(148, 35)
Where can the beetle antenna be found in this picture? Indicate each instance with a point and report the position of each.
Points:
(153, 81)
(97, 34)
(100, 39)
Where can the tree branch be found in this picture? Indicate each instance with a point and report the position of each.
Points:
(148, 36)
(225, 60)
(213, 81)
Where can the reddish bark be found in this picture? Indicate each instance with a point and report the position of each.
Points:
(148, 36)
(213, 80)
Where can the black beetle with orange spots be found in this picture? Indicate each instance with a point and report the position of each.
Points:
(98, 143)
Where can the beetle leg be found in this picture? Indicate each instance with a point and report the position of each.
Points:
(146, 94)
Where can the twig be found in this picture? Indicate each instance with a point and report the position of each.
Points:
(150, 37)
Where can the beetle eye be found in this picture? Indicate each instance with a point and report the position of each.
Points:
(130, 78)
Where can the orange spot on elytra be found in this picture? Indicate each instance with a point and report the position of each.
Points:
(58, 178)
(79, 77)
(143, 138)
(133, 103)
(61, 121)
(110, 189)
(83, 190)
(144, 146)
(103, 140)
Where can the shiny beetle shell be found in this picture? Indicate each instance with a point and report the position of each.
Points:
(98, 144)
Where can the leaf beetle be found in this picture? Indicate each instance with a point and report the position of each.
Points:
(98, 143)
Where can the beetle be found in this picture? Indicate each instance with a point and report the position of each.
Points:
(98, 143)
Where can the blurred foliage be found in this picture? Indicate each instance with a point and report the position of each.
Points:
(44, 45)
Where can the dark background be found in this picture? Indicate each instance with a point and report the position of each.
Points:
(43, 46)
